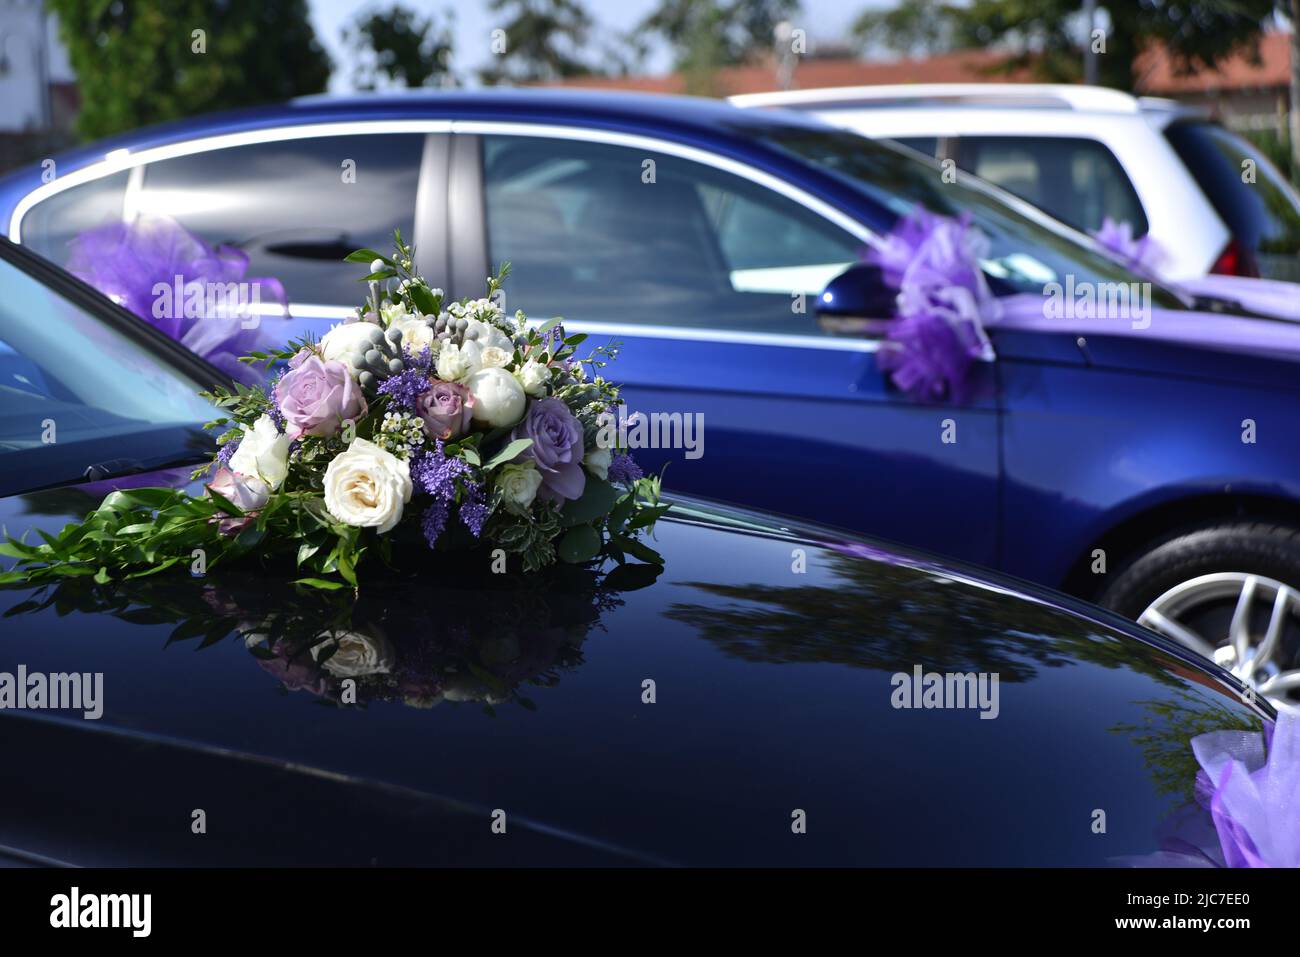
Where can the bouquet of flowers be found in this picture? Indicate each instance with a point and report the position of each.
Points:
(450, 425)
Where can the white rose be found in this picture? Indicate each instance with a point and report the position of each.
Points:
(367, 486)
(519, 482)
(355, 655)
(494, 357)
(534, 377)
(597, 463)
(487, 335)
(341, 342)
(263, 453)
(416, 333)
(498, 397)
(459, 362)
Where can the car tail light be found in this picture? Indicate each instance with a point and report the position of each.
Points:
(1232, 262)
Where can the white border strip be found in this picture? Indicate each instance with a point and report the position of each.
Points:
(626, 330)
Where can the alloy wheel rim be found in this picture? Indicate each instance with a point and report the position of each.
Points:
(1257, 656)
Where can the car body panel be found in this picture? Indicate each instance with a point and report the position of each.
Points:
(773, 695)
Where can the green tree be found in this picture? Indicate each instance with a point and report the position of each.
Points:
(918, 28)
(149, 60)
(707, 34)
(543, 40)
(399, 44)
(1049, 35)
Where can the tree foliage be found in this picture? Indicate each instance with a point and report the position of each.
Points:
(143, 61)
(400, 45)
(544, 40)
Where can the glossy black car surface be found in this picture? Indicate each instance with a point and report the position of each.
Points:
(737, 708)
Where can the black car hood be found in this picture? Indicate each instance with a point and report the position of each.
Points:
(768, 652)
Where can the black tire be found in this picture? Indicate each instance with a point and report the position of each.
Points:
(1257, 548)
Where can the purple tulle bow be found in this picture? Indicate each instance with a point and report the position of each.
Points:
(194, 293)
(942, 305)
(1141, 255)
(1251, 786)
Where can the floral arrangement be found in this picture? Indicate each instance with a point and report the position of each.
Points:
(1140, 254)
(449, 425)
(942, 306)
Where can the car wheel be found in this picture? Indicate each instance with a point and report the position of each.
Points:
(1230, 593)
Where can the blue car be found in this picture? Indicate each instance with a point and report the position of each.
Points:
(1157, 476)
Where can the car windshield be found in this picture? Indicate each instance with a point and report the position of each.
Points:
(77, 392)
(1027, 250)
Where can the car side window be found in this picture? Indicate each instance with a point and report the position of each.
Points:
(929, 145)
(608, 233)
(297, 207)
(53, 223)
(1075, 180)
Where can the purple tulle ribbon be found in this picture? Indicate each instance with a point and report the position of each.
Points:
(1141, 255)
(194, 293)
(943, 302)
(1251, 786)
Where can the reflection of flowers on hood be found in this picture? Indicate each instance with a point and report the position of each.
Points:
(355, 655)
(296, 672)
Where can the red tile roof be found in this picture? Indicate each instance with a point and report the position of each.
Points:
(963, 66)
(1156, 73)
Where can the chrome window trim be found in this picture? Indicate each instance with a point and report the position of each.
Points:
(671, 148)
(119, 160)
(122, 159)
(625, 330)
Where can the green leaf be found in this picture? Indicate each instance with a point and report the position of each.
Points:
(579, 544)
(598, 498)
(639, 550)
(470, 455)
(423, 299)
(548, 325)
(321, 583)
(508, 453)
(366, 256)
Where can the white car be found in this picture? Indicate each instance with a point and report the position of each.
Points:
(1086, 153)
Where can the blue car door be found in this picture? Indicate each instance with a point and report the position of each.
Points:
(707, 272)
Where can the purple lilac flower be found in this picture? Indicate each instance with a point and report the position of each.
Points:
(225, 452)
(441, 476)
(623, 469)
(274, 411)
(409, 384)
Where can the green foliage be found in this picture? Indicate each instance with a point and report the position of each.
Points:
(402, 46)
(544, 40)
(1048, 36)
(707, 34)
(137, 61)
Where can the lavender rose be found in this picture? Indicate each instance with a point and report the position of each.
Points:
(246, 492)
(447, 409)
(317, 397)
(556, 450)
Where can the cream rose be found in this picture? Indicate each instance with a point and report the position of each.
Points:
(263, 453)
(519, 483)
(498, 397)
(342, 342)
(487, 335)
(367, 486)
(457, 363)
(416, 333)
(534, 376)
(494, 357)
(597, 463)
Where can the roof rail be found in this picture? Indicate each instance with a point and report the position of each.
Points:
(1026, 95)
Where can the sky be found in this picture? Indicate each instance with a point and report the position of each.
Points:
(822, 19)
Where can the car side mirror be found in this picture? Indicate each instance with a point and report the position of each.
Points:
(856, 302)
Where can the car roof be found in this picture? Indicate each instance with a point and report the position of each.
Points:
(690, 118)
